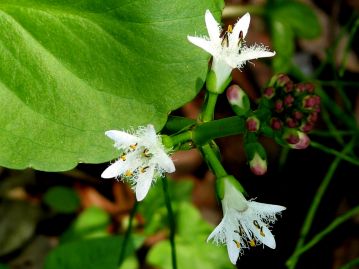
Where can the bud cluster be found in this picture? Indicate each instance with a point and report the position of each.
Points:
(292, 105)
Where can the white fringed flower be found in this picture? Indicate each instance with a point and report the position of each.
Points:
(244, 224)
(143, 159)
(229, 50)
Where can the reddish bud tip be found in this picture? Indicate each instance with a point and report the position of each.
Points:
(269, 92)
(278, 106)
(258, 165)
(276, 124)
(288, 100)
(291, 123)
(252, 124)
(302, 143)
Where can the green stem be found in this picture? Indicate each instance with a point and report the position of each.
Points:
(292, 261)
(181, 137)
(334, 152)
(211, 157)
(350, 264)
(127, 235)
(176, 124)
(335, 223)
(208, 131)
(209, 106)
(171, 221)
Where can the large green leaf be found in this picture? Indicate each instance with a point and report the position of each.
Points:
(70, 70)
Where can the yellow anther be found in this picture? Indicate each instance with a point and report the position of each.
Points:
(146, 153)
(123, 157)
(238, 244)
(143, 169)
(230, 28)
(252, 243)
(128, 173)
(255, 223)
(133, 147)
(261, 232)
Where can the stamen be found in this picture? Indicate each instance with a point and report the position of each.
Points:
(240, 40)
(143, 169)
(238, 244)
(225, 41)
(261, 232)
(128, 173)
(255, 223)
(146, 153)
(123, 157)
(252, 243)
(230, 28)
(133, 147)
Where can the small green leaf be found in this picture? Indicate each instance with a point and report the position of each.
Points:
(92, 222)
(283, 44)
(70, 70)
(90, 254)
(62, 199)
(192, 249)
(298, 16)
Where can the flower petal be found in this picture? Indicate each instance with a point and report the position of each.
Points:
(143, 183)
(150, 133)
(266, 209)
(115, 169)
(233, 251)
(213, 27)
(250, 53)
(121, 138)
(165, 162)
(202, 43)
(241, 25)
(262, 233)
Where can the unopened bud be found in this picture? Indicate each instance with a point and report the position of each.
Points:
(253, 124)
(288, 100)
(278, 106)
(307, 127)
(257, 158)
(282, 80)
(291, 123)
(297, 115)
(296, 139)
(238, 99)
(276, 124)
(269, 92)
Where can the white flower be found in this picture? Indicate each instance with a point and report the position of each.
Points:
(229, 50)
(244, 224)
(143, 159)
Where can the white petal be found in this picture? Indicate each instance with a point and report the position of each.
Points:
(202, 43)
(144, 182)
(121, 138)
(150, 133)
(242, 25)
(115, 169)
(253, 52)
(266, 237)
(233, 251)
(217, 234)
(165, 162)
(213, 27)
(267, 209)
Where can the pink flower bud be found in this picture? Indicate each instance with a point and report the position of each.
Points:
(252, 124)
(288, 100)
(269, 92)
(303, 141)
(258, 165)
(276, 124)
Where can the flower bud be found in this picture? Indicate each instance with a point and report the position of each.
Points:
(276, 124)
(269, 92)
(238, 99)
(296, 139)
(253, 124)
(278, 106)
(288, 100)
(257, 158)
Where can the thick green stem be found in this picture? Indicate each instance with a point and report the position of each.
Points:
(208, 131)
(215, 164)
(127, 235)
(181, 138)
(292, 261)
(209, 106)
(171, 221)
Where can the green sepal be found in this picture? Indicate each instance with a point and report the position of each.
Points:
(255, 147)
(211, 83)
(244, 107)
